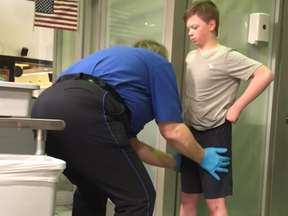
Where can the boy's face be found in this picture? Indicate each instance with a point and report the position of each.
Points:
(199, 31)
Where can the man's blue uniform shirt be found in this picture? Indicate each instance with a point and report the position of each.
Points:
(144, 79)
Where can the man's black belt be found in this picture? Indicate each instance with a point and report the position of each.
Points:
(99, 82)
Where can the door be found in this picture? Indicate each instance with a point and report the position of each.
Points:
(277, 195)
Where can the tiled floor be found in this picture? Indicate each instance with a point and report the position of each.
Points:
(66, 210)
(63, 211)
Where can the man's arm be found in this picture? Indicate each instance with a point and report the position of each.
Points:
(178, 135)
(153, 156)
(261, 78)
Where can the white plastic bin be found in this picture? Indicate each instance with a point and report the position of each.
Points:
(28, 184)
(15, 98)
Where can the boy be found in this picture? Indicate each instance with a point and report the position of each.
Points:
(212, 80)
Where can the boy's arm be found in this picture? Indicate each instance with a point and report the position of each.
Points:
(242, 67)
(261, 78)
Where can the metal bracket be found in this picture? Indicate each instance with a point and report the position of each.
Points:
(39, 127)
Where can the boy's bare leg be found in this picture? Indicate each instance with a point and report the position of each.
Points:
(217, 207)
(189, 204)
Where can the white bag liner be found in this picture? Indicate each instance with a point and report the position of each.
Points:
(30, 168)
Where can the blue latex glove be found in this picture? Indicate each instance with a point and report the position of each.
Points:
(178, 156)
(213, 162)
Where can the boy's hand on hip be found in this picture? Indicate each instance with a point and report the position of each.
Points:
(233, 114)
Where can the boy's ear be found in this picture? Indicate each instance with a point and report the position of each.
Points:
(212, 26)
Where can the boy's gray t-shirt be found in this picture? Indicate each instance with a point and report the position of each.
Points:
(212, 81)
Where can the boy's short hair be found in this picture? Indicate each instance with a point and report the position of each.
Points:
(206, 10)
(152, 45)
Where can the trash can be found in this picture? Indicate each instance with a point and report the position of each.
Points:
(28, 184)
(15, 98)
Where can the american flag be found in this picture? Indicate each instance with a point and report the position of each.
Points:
(56, 14)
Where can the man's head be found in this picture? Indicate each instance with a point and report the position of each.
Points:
(152, 45)
(202, 21)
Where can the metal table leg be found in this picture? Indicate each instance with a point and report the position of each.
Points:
(40, 139)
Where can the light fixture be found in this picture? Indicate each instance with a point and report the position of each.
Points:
(22, 65)
(37, 73)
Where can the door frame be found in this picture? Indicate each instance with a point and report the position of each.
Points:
(174, 35)
(274, 202)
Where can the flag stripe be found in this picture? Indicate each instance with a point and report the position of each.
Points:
(68, 9)
(56, 22)
(41, 17)
(65, 4)
(68, 16)
(66, 1)
(56, 27)
(61, 13)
